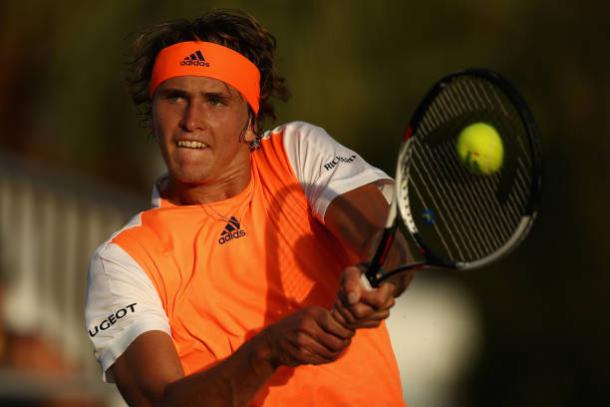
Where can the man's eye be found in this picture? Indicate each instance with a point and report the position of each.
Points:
(176, 98)
(216, 100)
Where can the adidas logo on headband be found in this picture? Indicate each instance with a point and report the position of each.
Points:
(195, 58)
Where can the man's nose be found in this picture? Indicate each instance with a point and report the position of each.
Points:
(194, 117)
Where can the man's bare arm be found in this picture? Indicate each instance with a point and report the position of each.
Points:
(357, 218)
(149, 372)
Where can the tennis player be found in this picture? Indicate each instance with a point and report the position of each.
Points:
(240, 286)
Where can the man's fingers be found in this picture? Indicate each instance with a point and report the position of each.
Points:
(361, 311)
(358, 307)
(374, 323)
(295, 355)
(318, 348)
(352, 314)
(368, 318)
(351, 285)
(347, 318)
(336, 314)
(309, 336)
(324, 330)
(380, 298)
(338, 325)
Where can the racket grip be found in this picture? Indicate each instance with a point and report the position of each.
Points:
(365, 282)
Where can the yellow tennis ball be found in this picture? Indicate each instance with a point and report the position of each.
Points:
(480, 149)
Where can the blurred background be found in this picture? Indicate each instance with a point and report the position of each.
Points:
(532, 330)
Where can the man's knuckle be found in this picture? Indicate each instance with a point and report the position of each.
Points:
(302, 339)
(314, 311)
(360, 312)
(304, 326)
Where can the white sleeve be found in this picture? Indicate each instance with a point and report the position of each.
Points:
(325, 168)
(121, 304)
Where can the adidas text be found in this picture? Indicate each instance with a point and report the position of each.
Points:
(230, 236)
(196, 63)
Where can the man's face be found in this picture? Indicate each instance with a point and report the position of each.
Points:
(199, 124)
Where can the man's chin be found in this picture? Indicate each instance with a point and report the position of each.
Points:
(189, 179)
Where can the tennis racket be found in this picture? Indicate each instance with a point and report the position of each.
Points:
(460, 219)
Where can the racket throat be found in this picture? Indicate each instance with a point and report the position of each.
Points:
(374, 270)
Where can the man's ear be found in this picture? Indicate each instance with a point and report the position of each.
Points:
(250, 135)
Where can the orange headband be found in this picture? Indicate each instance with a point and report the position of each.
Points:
(198, 58)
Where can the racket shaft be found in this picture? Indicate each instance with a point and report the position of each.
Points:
(385, 244)
(387, 239)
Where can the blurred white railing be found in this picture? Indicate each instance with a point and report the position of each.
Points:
(50, 223)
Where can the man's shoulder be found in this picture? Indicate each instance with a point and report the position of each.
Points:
(296, 138)
(293, 129)
(136, 231)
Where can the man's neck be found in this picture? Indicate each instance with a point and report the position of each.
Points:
(203, 193)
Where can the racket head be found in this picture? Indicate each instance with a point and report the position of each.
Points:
(459, 219)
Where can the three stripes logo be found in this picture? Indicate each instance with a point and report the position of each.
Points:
(196, 58)
(232, 231)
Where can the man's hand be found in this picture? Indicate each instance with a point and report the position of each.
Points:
(309, 336)
(358, 218)
(356, 307)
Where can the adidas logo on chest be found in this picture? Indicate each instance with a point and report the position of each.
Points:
(232, 230)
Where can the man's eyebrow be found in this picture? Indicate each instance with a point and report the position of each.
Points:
(225, 90)
(220, 93)
(173, 92)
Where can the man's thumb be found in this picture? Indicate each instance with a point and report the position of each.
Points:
(352, 285)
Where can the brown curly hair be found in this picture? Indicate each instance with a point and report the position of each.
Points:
(231, 28)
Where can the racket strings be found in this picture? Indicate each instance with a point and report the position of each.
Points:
(483, 91)
(490, 183)
(496, 223)
(463, 216)
(511, 111)
(523, 178)
(429, 200)
(461, 225)
(470, 223)
(455, 229)
(498, 235)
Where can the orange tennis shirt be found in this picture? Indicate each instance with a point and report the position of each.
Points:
(225, 270)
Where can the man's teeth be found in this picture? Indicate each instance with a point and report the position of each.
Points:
(191, 144)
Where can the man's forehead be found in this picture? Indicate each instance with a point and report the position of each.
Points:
(198, 84)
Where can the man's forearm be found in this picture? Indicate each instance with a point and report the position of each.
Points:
(233, 382)
(400, 253)
(357, 218)
(149, 371)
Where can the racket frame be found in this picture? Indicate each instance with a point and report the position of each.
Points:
(400, 205)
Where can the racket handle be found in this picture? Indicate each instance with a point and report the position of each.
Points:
(365, 282)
